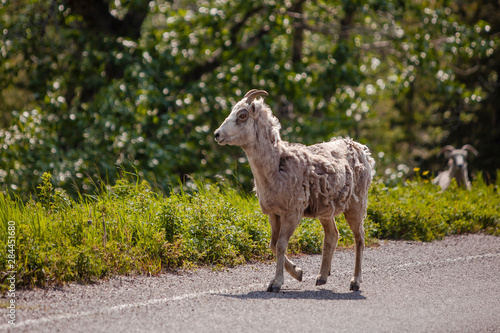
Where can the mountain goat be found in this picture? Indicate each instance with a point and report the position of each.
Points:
(457, 164)
(294, 181)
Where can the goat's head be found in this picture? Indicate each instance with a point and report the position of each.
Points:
(457, 157)
(242, 125)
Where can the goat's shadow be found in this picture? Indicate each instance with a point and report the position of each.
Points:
(320, 294)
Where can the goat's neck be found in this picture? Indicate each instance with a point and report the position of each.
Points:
(458, 173)
(264, 158)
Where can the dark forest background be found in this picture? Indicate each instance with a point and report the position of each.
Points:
(91, 88)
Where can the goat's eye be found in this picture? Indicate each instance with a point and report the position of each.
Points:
(243, 116)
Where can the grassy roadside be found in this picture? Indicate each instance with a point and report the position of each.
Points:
(130, 228)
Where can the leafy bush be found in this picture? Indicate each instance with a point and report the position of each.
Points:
(418, 211)
(151, 84)
(130, 228)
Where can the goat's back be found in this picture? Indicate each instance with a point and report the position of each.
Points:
(358, 158)
(335, 173)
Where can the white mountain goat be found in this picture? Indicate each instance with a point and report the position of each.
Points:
(457, 167)
(294, 181)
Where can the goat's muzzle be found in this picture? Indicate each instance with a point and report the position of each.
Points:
(218, 137)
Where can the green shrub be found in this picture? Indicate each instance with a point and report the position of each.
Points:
(418, 211)
(130, 228)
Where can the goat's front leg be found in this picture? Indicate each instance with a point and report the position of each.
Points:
(290, 267)
(465, 176)
(444, 180)
(282, 229)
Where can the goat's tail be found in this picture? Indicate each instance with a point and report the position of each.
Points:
(364, 164)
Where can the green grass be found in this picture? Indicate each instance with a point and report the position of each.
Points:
(130, 228)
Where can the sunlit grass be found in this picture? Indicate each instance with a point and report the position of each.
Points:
(130, 228)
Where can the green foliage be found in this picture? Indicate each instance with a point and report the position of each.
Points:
(130, 228)
(51, 198)
(143, 85)
(84, 91)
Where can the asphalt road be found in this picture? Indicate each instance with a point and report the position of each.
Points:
(444, 286)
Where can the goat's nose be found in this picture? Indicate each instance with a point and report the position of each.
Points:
(216, 135)
(460, 166)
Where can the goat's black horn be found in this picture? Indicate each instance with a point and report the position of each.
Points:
(250, 96)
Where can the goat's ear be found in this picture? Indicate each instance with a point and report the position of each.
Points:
(254, 111)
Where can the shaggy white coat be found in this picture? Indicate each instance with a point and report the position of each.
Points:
(294, 181)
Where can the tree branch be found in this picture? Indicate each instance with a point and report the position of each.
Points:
(466, 72)
(298, 31)
(98, 18)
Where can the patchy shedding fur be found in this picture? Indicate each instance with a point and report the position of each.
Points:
(294, 181)
(325, 177)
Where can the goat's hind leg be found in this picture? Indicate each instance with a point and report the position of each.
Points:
(355, 220)
(329, 244)
(293, 270)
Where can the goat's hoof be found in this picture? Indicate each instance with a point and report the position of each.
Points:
(299, 275)
(272, 288)
(320, 282)
(354, 286)
(295, 272)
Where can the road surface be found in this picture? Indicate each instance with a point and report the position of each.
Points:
(451, 285)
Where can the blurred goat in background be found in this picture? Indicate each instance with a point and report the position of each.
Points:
(457, 164)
